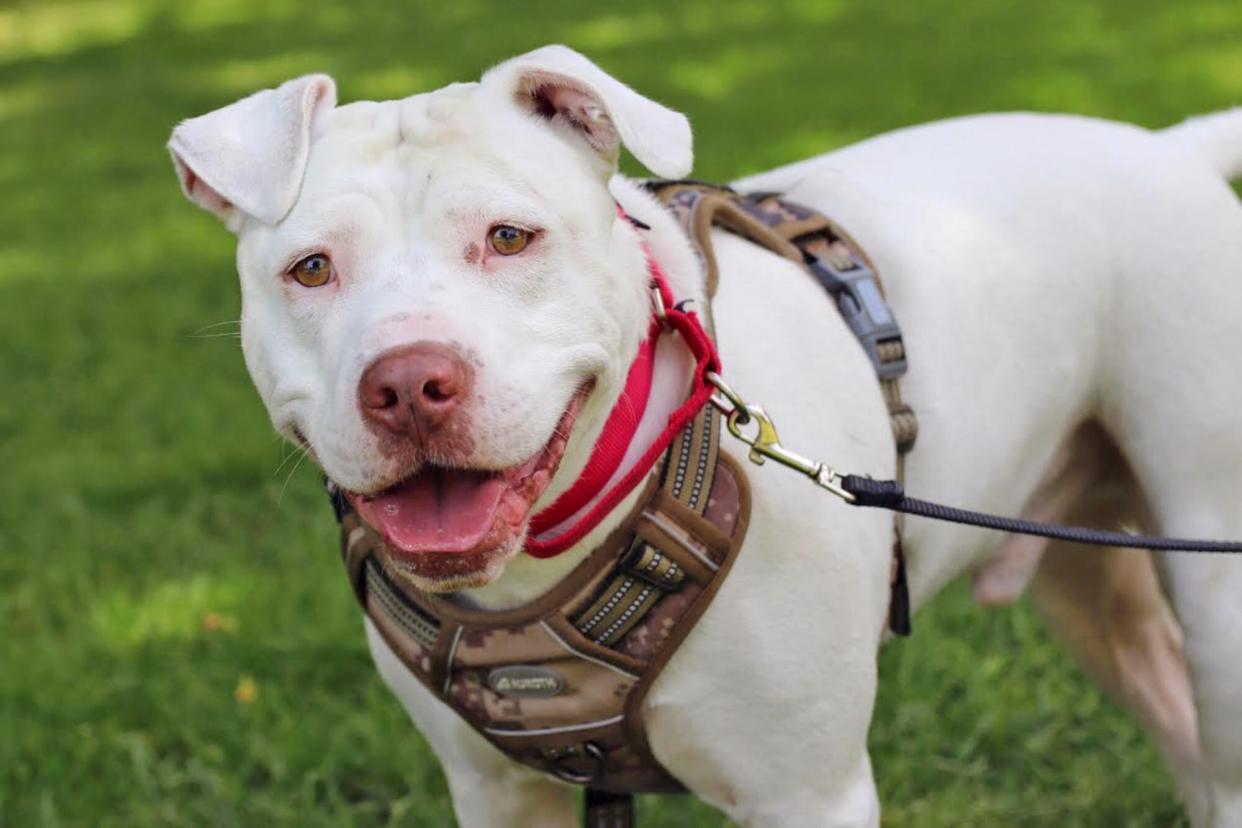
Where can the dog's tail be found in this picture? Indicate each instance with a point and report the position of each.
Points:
(1217, 136)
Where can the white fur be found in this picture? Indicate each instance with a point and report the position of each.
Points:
(1047, 270)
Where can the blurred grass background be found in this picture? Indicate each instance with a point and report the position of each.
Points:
(177, 643)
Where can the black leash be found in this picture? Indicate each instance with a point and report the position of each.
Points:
(889, 494)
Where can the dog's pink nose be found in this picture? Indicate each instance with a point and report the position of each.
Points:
(412, 391)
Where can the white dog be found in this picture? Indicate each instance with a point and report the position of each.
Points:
(1070, 292)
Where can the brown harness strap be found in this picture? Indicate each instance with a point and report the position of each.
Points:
(815, 242)
(607, 810)
(815, 235)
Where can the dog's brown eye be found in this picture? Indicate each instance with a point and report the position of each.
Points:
(313, 271)
(508, 240)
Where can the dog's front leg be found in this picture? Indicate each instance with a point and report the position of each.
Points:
(487, 796)
(764, 711)
(488, 788)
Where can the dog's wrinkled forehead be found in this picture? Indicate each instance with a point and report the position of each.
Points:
(436, 117)
(440, 139)
(446, 117)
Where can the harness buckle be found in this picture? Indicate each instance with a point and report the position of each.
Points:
(858, 297)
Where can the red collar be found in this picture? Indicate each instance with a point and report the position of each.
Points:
(622, 423)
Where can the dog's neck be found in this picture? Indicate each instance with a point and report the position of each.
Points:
(526, 578)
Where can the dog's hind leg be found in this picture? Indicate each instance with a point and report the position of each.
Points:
(1170, 393)
(1173, 408)
(1206, 592)
(1104, 604)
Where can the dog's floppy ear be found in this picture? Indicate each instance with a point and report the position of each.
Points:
(559, 84)
(251, 155)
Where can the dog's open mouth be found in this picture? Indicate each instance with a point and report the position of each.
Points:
(461, 513)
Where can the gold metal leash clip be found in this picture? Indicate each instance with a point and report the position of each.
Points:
(765, 443)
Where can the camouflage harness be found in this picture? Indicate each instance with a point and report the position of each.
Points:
(558, 684)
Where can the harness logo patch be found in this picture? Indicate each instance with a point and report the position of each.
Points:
(525, 682)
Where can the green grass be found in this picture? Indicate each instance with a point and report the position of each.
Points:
(151, 557)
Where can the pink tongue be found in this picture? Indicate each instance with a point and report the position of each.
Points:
(440, 510)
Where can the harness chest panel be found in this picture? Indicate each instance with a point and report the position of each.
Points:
(558, 684)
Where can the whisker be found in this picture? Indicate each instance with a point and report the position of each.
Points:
(218, 324)
(280, 497)
(287, 456)
(234, 335)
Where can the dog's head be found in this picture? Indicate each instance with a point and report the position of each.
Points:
(439, 300)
